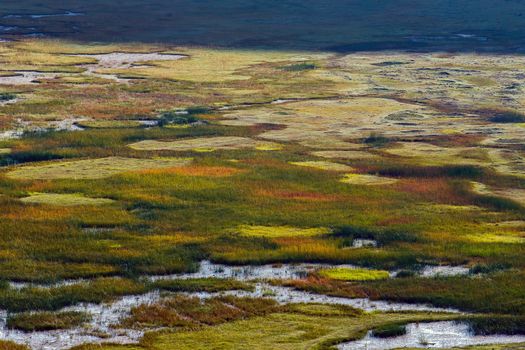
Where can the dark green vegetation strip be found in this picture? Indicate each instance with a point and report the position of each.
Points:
(46, 321)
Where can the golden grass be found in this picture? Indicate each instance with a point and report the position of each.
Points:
(65, 200)
(92, 168)
(203, 144)
(281, 231)
(323, 165)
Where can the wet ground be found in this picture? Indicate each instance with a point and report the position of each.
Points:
(446, 334)
(103, 326)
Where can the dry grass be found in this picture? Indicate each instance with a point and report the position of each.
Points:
(367, 180)
(92, 168)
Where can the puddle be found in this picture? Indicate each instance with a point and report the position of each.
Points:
(431, 271)
(444, 271)
(445, 334)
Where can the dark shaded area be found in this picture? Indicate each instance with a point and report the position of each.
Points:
(337, 25)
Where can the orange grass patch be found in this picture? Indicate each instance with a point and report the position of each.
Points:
(212, 171)
(432, 189)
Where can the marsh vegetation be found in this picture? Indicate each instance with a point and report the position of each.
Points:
(330, 196)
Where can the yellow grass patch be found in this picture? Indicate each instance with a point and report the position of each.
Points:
(65, 200)
(350, 274)
(5, 150)
(323, 165)
(281, 231)
(513, 238)
(367, 180)
(202, 144)
(92, 168)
